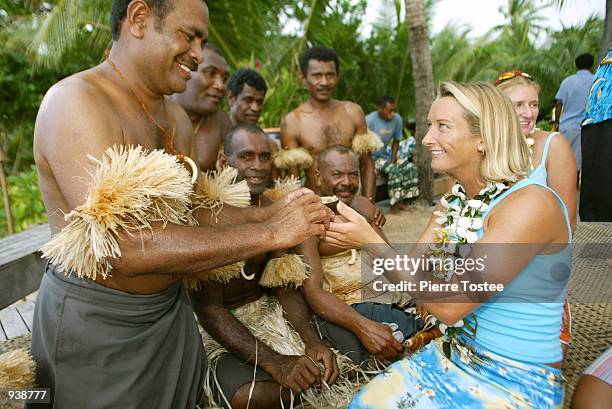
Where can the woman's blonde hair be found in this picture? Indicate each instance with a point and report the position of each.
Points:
(492, 117)
(514, 82)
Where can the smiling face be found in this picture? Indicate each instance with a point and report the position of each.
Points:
(527, 105)
(453, 147)
(247, 106)
(250, 153)
(339, 175)
(321, 79)
(206, 89)
(173, 46)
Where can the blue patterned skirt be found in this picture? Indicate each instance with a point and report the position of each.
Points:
(471, 378)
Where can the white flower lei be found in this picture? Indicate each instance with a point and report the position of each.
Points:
(463, 216)
(458, 232)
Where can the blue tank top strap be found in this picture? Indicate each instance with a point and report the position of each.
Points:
(526, 182)
(546, 146)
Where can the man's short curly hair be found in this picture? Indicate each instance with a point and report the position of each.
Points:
(246, 76)
(319, 54)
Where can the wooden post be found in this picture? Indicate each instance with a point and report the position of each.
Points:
(5, 193)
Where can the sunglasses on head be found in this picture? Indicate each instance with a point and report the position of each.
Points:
(504, 76)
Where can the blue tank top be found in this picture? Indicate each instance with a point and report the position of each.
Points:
(527, 330)
(539, 174)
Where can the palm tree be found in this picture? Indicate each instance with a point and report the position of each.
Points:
(422, 72)
(606, 38)
(238, 27)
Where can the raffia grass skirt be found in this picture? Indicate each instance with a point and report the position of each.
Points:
(266, 321)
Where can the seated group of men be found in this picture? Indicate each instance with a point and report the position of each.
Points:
(247, 316)
(243, 316)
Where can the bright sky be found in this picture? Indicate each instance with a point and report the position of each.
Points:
(483, 15)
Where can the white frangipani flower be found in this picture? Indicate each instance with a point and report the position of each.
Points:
(444, 202)
(475, 204)
(464, 222)
(457, 190)
(471, 237)
(441, 219)
(477, 223)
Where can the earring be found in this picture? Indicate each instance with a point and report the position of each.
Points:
(481, 149)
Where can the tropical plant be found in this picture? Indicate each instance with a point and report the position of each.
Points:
(26, 204)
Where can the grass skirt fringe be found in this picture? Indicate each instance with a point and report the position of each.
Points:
(222, 275)
(265, 319)
(287, 158)
(282, 187)
(289, 270)
(366, 143)
(129, 190)
(16, 370)
(217, 188)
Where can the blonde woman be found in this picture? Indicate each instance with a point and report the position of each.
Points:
(553, 159)
(475, 137)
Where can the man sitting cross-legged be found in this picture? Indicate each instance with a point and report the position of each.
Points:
(248, 326)
(334, 288)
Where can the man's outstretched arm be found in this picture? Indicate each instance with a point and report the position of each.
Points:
(68, 130)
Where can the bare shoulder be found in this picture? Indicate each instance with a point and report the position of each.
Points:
(292, 116)
(72, 92)
(560, 144)
(353, 109)
(355, 113)
(290, 124)
(76, 103)
(530, 205)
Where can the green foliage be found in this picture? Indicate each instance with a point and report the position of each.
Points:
(66, 36)
(284, 94)
(26, 203)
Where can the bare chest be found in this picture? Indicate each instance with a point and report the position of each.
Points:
(318, 132)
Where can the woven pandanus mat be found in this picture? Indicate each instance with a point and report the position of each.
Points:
(23, 342)
(590, 295)
(592, 336)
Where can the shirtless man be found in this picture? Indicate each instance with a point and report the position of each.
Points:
(323, 121)
(334, 288)
(124, 332)
(202, 102)
(247, 91)
(246, 148)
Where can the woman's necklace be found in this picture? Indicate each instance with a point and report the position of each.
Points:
(460, 224)
(464, 217)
